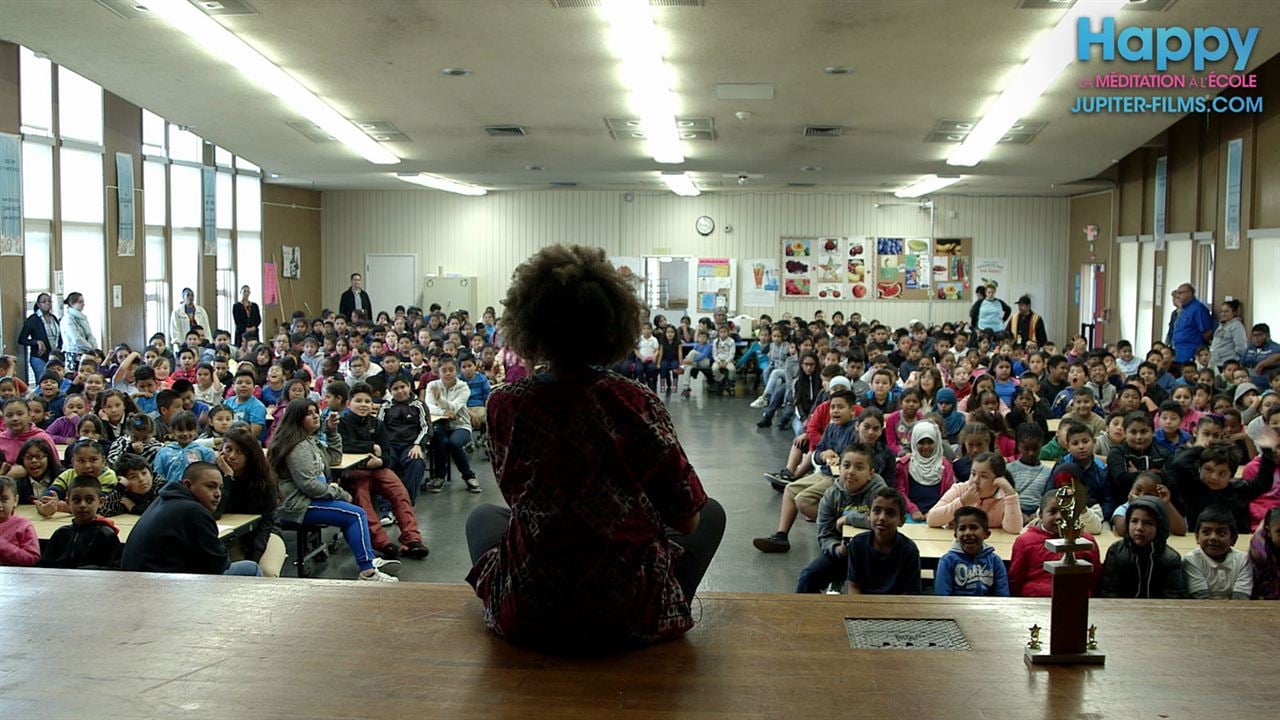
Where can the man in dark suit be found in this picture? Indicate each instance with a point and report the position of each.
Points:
(355, 298)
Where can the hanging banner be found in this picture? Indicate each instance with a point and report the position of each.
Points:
(1235, 150)
(270, 284)
(798, 267)
(10, 194)
(715, 282)
(760, 282)
(1162, 184)
(210, 223)
(125, 238)
(990, 272)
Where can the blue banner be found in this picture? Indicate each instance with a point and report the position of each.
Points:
(1235, 152)
(10, 194)
(210, 223)
(1162, 184)
(126, 237)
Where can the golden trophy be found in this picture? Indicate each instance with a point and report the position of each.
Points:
(1071, 638)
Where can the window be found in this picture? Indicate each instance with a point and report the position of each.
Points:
(221, 157)
(83, 244)
(35, 84)
(1266, 301)
(37, 223)
(1177, 270)
(1146, 296)
(248, 253)
(79, 108)
(185, 197)
(184, 145)
(153, 134)
(1128, 300)
(244, 166)
(225, 276)
(155, 212)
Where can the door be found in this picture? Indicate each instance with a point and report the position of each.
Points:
(391, 280)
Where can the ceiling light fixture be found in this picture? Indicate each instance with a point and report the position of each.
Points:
(838, 70)
(635, 39)
(681, 184)
(436, 182)
(455, 71)
(224, 44)
(926, 185)
(1052, 52)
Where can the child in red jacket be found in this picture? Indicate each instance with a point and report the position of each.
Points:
(1027, 576)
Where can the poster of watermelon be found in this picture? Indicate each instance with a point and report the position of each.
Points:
(890, 269)
(799, 267)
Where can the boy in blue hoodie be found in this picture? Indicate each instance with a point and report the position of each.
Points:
(971, 567)
(847, 502)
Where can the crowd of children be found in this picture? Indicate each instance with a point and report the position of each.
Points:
(175, 433)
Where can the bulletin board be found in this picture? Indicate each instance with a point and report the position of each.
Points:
(903, 268)
(829, 267)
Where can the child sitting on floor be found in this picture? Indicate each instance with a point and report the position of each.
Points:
(971, 567)
(172, 460)
(41, 467)
(1264, 555)
(884, 561)
(1149, 483)
(137, 488)
(64, 429)
(87, 460)
(1199, 477)
(844, 503)
(1027, 576)
(1141, 564)
(923, 476)
(1215, 570)
(1170, 434)
(19, 546)
(987, 489)
(89, 541)
(140, 439)
(1030, 476)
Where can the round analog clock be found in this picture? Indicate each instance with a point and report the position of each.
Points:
(705, 226)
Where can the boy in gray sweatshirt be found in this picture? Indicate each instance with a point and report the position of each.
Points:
(847, 502)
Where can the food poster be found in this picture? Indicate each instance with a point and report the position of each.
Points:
(760, 282)
(799, 265)
(858, 257)
(831, 269)
(990, 271)
(952, 268)
(715, 282)
(890, 270)
(917, 276)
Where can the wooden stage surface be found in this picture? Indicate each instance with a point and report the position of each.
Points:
(119, 645)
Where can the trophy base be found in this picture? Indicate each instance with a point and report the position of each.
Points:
(1044, 657)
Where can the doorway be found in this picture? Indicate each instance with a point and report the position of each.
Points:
(391, 280)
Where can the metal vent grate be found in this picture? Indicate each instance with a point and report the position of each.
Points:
(505, 131)
(1045, 4)
(380, 130)
(800, 185)
(571, 4)
(904, 634)
(564, 184)
(823, 131)
(956, 131)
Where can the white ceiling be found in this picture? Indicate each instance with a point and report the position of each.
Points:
(549, 69)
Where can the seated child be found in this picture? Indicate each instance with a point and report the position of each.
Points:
(1215, 570)
(971, 567)
(1137, 453)
(137, 491)
(1027, 576)
(139, 439)
(1141, 564)
(924, 476)
(64, 429)
(1112, 436)
(178, 534)
(18, 430)
(245, 406)
(1082, 410)
(1149, 483)
(41, 468)
(172, 460)
(86, 459)
(1170, 434)
(1199, 477)
(50, 391)
(988, 489)
(844, 503)
(884, 561)
(19, 546)
(38, 409)
(479, 386)
(408, 423)
(1030, 476)
(89, 541)
(1264, 555)
(1093, 472)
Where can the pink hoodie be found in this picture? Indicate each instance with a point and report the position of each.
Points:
(10, 444)
(19, 546)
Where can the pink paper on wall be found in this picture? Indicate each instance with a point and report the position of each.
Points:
(270, 284)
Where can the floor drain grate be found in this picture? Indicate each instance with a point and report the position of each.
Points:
(904, 634)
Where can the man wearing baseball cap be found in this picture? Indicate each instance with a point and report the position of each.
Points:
(1025, 325)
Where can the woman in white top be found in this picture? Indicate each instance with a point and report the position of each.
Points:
(1230, 340)
(446, 400)
(77, 334)
(187, 316)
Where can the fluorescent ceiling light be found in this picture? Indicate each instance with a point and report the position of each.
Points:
(1052, 52)
(439, 183)
(225, 45)
(681, 184)
(926, 185)
(636, 41)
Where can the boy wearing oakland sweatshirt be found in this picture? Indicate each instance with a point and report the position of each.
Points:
(971, 567)
(847, 502)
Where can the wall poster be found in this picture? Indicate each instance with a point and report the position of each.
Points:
(760, 282)
(903, 268)
(952, 268)
(798, 267)
(11, 240)
(991, 271)
(715, 283)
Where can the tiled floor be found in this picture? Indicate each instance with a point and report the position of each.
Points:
(729, 453)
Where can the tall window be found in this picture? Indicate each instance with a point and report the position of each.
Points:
(155, 213)
(83, 245)
(185, 197)
(79, 108)
(153, 135)
(226, 277)
(249, 233)
(1146, 297)
(37, 222)
(35, 85)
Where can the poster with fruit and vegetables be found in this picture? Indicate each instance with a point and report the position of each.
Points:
(830, 268)
(952, 268)
(799, 267)
(890, 271)
(857, 258)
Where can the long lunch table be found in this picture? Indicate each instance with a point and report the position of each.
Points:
(229, 526)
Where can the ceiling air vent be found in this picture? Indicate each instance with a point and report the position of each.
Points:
(564, 184)
(801, 185)
(505, 130)
(823, 131)
(572, 4)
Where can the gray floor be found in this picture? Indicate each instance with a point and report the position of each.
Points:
(727, 450)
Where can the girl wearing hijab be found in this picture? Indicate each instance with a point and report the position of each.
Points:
(953, 419)
(924, 475)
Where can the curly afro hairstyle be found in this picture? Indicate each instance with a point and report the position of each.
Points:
(559, 291)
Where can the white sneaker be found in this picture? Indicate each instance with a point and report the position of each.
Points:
(383, 565)
(759, 402)
(378, 576)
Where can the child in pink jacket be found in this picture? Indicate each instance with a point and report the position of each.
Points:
(19, 545)
(988, 489)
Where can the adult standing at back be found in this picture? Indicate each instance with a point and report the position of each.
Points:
(1230, 341)
(40, 334)
(989, 314)
(1194, 326)
(186, 317)
(355, 298)
(609, 531)
(247, 317)
(1027, 326)
(77, 333)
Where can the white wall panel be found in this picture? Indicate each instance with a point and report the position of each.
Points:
(487, 237)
